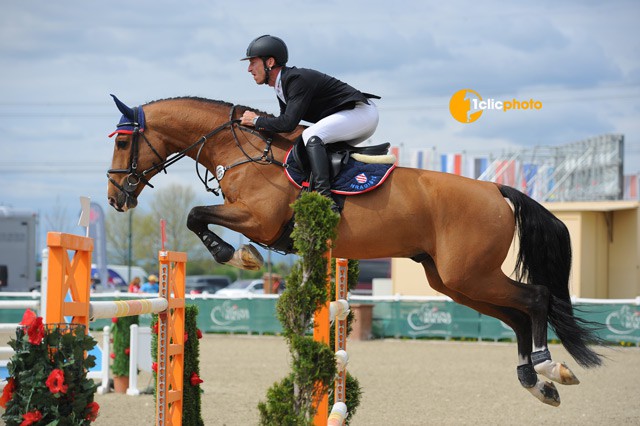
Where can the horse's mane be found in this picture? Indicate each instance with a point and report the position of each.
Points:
(229, 105)
(213, 102)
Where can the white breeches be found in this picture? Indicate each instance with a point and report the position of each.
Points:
(352, 126)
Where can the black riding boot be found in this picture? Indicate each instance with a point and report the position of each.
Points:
(320, 169)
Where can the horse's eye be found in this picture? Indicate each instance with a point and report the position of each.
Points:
(122, 143)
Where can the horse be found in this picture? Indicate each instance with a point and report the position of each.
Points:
(459, 229)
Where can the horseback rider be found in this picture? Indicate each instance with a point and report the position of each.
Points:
(337, 111)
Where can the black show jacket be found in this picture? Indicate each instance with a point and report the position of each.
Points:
(311, 96)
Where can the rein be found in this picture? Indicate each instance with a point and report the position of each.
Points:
(134, 178)
(265, 159)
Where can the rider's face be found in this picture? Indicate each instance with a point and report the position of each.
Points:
(256, 68)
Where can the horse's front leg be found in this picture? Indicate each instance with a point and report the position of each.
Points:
(198, 221)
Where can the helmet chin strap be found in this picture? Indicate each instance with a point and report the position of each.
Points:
(267, 70)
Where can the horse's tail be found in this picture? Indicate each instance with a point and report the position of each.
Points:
(544, 259)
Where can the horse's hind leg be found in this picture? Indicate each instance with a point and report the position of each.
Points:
(519, 323)
(541, 357)
(539, 299)
(533, 300)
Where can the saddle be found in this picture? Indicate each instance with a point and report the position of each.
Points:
(354, 170)
(338, 153)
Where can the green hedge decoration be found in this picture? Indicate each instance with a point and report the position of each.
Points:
(121, 335)
(191, 389)
(292, 401)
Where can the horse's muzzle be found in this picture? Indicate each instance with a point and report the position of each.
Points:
(125, 197)
(123, 201)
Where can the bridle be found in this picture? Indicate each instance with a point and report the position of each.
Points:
(135, 177)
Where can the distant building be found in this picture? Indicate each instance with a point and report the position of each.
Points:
(606, 252)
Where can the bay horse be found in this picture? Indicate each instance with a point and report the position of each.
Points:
(459, 229)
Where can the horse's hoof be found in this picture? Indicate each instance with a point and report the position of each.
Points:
(546, 392)
(566, 375)
(558, 372)
(247, 257)
(550, 393)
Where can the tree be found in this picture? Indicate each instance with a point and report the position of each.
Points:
(117, 230)
(58, 218)
(171, 203)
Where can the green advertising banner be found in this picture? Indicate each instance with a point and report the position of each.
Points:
(621, 321)
(255, 315)
(393, 317)
(493, 329)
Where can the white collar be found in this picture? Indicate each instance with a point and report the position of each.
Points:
(278, 87)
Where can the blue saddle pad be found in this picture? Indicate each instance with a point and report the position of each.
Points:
(354, 178)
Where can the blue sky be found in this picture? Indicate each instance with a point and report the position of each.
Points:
(59, 61)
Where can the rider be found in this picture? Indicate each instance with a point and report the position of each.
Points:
(337, 111)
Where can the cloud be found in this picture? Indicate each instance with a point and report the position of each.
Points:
(59, 65)
(552, 125)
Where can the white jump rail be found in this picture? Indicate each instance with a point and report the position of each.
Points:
(125, 308)
(20, 304)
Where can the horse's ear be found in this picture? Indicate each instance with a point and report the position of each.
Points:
(125, 110)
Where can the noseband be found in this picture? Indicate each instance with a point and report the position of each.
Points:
(134, 177)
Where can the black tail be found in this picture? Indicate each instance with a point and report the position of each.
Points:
(545, 259)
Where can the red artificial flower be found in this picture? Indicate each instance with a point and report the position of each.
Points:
(28, 317)
(93, 409)
(7, 392)
(195, 379)
(155, 328)
(31, 417)
(186, 337)
(154, 367)
(55, 381)
(35, 329)
(112, 355)
(114, 320)
(127, 351)
(199, 333)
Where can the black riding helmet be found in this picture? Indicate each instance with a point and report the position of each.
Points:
(266, 46)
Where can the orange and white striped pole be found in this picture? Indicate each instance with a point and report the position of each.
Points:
(340, 311)
(321, 333)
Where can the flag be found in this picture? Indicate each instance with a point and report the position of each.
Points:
(506, 172)
(97, 232)
(425, 159)
(529, 172)
(480, 165)
(395, 151)
(418, 160)
(631, 187)
(451, 163)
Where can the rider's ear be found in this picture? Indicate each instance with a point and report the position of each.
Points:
(271, 62)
